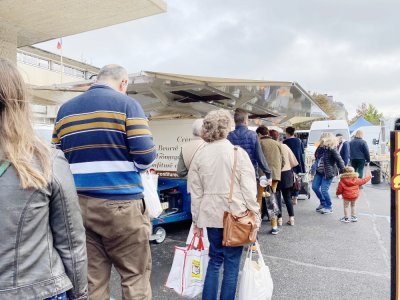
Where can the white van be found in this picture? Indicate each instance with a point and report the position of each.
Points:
(319, 127)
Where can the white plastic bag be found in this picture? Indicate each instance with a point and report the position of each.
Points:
(256, 281)
(206, 242)
(150, 194)
(188, 270)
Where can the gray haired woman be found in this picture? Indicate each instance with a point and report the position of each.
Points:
(210, 185)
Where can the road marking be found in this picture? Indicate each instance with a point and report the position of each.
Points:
(385, 253)
(331, 268)
(375, 216)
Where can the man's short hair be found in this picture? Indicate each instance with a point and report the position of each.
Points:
(240, 117)
(290, 130)
(112, 72)
(263, 130)
(339, 135)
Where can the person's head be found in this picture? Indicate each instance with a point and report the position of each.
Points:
(274, 134)
(197, 126)
(328, 140)
(349, 172)
(216, 125)
(114, 76)
(359, 134)
(262, 131)
(241, 117)
(18, 143)
(339, 137)
(290, 131)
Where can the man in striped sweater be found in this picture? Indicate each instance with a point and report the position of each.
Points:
(105, 137)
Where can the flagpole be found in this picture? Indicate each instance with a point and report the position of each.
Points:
(61, 60)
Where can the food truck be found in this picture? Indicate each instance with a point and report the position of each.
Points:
(173, 101)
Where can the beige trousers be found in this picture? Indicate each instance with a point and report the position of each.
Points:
(117, 233)
(348, 204)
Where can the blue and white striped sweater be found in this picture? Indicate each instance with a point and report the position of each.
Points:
(105, 137)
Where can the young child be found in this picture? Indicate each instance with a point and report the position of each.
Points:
(349, 188)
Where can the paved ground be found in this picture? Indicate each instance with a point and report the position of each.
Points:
(319, 258)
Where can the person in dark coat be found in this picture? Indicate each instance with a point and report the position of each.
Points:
(343, 148)
(248, 140)
(328, 160)
(359, 153)
(297, 148)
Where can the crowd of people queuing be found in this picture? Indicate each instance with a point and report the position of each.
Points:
(70, 213)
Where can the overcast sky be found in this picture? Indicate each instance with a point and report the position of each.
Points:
(349, 49)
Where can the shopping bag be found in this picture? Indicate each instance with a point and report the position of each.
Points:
(272, 203)
(150, 195)
(255, 281)
(188, 270)
(206, 242)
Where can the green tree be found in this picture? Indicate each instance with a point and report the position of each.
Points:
(369, 112)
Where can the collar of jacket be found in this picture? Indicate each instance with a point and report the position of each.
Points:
(100, 86)
(265, 137)
(241, 126)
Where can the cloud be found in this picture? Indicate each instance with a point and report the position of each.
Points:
(347, 49)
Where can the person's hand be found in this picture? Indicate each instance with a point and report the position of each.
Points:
(197, 231)
(269, 182)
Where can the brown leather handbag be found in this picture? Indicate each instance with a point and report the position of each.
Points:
(238, 230)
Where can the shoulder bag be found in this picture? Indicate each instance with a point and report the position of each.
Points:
(238, 230)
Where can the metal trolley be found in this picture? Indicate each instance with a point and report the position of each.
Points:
(176, 204)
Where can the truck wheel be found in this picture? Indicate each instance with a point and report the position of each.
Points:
(160, 234)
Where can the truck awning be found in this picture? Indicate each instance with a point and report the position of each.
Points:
(165, 95)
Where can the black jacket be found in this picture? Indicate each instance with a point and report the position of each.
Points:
(331, 160)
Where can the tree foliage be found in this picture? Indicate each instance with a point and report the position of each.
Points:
(369, 112)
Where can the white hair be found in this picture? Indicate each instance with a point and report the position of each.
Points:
(196, 127)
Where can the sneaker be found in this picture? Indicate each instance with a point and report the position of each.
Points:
(326, 211)
(344, 220)
(353, 219)
(318, 209)
(274, 231)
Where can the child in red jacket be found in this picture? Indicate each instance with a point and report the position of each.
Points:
(349, 188)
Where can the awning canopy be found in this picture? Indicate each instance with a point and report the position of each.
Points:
(164, 95)
(360, 122)
(38, 21)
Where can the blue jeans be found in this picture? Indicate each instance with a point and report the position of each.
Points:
(230, 258)
(321, 186)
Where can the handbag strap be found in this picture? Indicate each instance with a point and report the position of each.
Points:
(3, 167)
(235, 149)
(194, 153)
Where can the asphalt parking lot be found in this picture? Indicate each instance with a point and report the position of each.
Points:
(318, 258)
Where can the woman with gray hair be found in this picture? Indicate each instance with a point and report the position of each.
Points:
(210, 186)
(190, 149)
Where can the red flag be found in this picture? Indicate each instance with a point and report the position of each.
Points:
(59, 44)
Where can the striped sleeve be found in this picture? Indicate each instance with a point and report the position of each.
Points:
(139, 138)
(55, 140)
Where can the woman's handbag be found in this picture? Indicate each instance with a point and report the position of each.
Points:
(238, 230)
(296, 183)
(256, 281)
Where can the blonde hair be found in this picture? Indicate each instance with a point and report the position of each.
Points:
(328, 140)
(216, 125)
(17, 139)
(359, 134)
